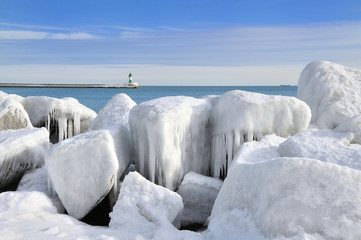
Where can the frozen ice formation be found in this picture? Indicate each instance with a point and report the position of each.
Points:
(21, 150)
(288, 197)
(324, 145)
(171, 137)
(198, 193)
(240, 116)
(62, 117)
(82, 170)
(13, 115)
(115, 112)
(332, 91)
(143, 207)
(352, 125)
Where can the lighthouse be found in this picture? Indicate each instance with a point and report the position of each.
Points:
(130, 78)
(130, 83)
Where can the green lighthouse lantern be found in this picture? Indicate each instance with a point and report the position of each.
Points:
(130, 78)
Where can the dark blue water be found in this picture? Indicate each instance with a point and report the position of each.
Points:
(96, 98)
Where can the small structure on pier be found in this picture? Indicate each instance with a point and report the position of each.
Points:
(130, 83)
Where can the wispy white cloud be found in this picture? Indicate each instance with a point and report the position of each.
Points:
(26, 26)
(22, 35)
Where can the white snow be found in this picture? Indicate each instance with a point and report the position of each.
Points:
(352, 125)
(82, 170)
(67, 116)
(324, 145)
(288, 197)
(198, 193)
(13, 115)
(21, 150)
(142, 206)
(171, 138)
(332, 91)
(240, 116)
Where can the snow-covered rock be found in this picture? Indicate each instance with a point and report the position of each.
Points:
(352, 125)
(82, 170)
(21, 150)
(288, 197)
(240, 116)
(143, 207)
(171, 138)
(332, 91)
(62, 117)
(198, 193)
(13, 115)
(324, 145)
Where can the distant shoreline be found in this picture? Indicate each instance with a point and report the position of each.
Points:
(48, 85)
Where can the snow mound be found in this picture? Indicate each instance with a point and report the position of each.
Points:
(352, 125)
(143, 207)
(13, 115)
(115, 112)
(62, 117)
(82, 170)
(21, 150)
(324, 145)
(198, 193)
(332, 91)
(240, 116)
(287, 197)
(171, 137)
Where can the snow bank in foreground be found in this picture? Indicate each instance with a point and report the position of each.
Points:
(324, 145)
(21, 150)
(13, 115)
(241, 116)
(171, 137)
(332, 91)
(144, 207)
(82, 170)
(287, 197)
(198, 193)
(352, 125)
(62, 117)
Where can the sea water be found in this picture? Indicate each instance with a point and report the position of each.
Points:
(97, 98)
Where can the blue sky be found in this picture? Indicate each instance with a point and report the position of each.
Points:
(174, 42)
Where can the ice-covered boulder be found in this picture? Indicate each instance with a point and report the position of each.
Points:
(288, 197)
(332, 91)
(144, 207)
(13, 115)
(352, 125)
(240, 116)
(171, 138)
(324, 145)
(198, 193)
(82, 170)
(21, 150)
(63, 118)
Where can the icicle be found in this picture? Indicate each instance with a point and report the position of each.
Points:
(76, 122)
(62, 126)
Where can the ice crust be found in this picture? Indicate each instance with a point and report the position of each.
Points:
(82, 170)
(21, 150)
(332, 91)
(240, 116)
(13, 115)
(171, 138)
(198, 193)
(287, 197)
(142, 206)
(352, 125)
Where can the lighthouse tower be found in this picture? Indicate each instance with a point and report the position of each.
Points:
(130, 78)
(131, 84)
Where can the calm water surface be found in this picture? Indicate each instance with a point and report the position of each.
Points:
(96, 98)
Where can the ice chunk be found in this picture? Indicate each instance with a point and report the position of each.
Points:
(21, 150)
(198, 193)
(82, 170)
(332, 91)
(171, 137)
(13, 115)
(287, 197)
(62, 117)
(143, 207)
(352, 125)
(324, 145)
(241, 116)
(115, 112)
